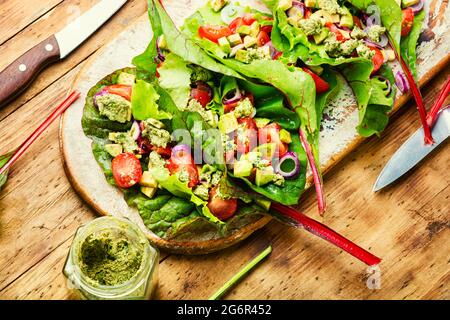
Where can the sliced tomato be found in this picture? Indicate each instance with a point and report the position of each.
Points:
(202, 93)
(339, 36)
(271, 134)
(235, 24)
(248, 139)
(214, 33)
(357, 22)
(277, 55)
(183, 161)
(262, 38)
(223, 209)
(377, 59)
(126, 169)
(308, 13)
(249, 18)
(407, 21)
(120, 89)
(163, 152)
(321, 85)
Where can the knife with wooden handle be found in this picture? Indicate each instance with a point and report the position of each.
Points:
(16, 77)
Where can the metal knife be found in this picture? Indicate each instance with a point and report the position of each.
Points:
(18, 75)
(413, 151)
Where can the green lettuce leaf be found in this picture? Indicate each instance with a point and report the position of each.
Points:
(144, 102)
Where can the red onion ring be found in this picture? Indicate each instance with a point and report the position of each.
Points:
(380, 44)
(300, 5)
(99, 94)
(295, 171)
(161, 56)
(401, 82)
(237, 96)
(135, 130)
(417, 7)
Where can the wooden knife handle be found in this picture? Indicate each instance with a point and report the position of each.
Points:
(19, 74)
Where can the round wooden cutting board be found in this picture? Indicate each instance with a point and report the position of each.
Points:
(337, 138)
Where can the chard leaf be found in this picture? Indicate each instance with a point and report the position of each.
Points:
(408, 44)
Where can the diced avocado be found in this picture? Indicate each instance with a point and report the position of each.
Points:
(251, 156)
(264, 176)
(254, 29)
(335, 18)
(228, 123)
(285, 136)
(242, 168)
(293, 21)
(217, 5)
(319, 38)
(243, 56)
(316, 69)
(156, 123)
(325, 16)
(224, 45)
(310, 3)
(126, 79)
(263, 203)
(390, 54)
(244, 30)
(249, 41)
(147, 180)
(261, 122)
(113, 149)
(409, 3)
(346, 21)
(284, 4)
(235, 49)
(149, 192)
(266, 150)
(234, 39)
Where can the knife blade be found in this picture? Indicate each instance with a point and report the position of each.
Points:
(19, 74)
(413, 151)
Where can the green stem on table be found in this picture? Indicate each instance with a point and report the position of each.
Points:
(242, 273)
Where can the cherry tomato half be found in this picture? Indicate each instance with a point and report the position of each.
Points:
(357, 22)
(262, 38)
(126, 169)
(223, 209)
(249, 18)
(407, 21)
(339, 36)
(202, 93)
(271, 134)
(321, 85)
(248, 139)
(214, 33)
(377, 59)
(181, 160)
(121, 90)
(235, 24)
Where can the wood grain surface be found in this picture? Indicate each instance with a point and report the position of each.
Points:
(406, 224)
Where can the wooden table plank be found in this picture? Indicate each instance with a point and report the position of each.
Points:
(406, 224)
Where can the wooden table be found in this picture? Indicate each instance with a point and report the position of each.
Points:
(407, 224)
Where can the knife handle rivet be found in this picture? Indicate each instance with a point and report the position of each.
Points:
(49, 47)
(22, 68)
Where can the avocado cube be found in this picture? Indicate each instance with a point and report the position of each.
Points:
(261, 122)
(224, 45)
(293, 21)
(335, 18)
(228, 123)
(264, 176)
(347, 21)
(284, 4)
(310, 3)
(319, 38)
(249, 41)
(263, 203)
(409, 3)
(244, 30)
(390, 54)
(147, 180)
(285, 136)
(267, 150)
(235, 49)
(234, 39)
(242, 168)
(113, 149)
(243, 56)
(149, 192)
(254, 29)
(126, 79)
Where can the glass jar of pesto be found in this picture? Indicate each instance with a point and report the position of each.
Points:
(110, 258)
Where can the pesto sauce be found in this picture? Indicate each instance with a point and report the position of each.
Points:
(109, 259)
